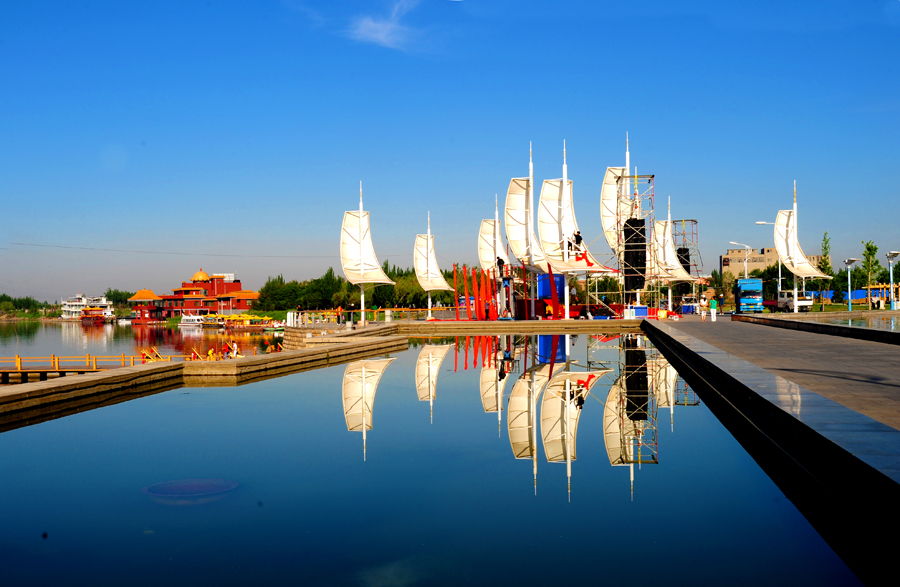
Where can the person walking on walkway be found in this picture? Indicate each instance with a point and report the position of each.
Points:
(703, 307)
(713, 305)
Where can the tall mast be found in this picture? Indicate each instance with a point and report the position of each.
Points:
(427, 263)
(362, 286)
(627, 166)
(793, 238)
(529, 240)
(668, 236)
(364, 408)
(564, 240)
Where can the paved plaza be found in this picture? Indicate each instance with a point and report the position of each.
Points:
(862, 375)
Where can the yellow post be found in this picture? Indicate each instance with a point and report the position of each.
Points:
(123, 359)
(18, 363)
(95, 363)
(132, 361)
(53, 361)
(87, 360)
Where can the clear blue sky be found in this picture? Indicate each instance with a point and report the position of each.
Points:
(245, 127)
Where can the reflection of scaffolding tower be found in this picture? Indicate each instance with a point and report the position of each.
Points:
(631, 410)
(684, 395)
(686, 238)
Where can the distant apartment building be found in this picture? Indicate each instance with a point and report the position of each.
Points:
(733, 260)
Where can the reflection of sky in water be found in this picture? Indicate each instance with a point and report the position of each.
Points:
(434, 503)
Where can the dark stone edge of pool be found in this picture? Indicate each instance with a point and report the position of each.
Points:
(860, 333)
(838, 467)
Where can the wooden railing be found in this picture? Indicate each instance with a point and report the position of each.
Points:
(88, 361)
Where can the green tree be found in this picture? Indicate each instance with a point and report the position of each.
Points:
(870, 265)
(117, 297)
(825, 267)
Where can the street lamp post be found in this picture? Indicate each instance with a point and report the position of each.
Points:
(890, 257)
(849, 263)
(746, 255)
(779, 267)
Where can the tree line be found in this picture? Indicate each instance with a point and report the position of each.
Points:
(331, 291)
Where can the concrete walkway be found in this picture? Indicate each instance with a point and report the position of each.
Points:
(863, 376)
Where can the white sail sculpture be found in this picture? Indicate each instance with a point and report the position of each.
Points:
(428, 365)
(521, 415)
(358, 259)
(613, 209)
(519, 216)
(358, 393)
(557, 226)
(560, 415)
(489, 245)
(788, 247)
(425, 262)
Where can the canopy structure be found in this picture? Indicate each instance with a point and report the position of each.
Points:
(428, 365)
(557, 228)
(425, 263)
(614, 210)
(788, 247)
(358, 258)
(520, 229)
(667, 264)
(520, 418)
(358, 392)
(488, 243)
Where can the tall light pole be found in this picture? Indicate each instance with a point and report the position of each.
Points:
(746, 256)
(779, 267)
(849, 263)
(890, 257)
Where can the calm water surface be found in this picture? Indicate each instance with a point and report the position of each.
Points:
(36, 339)
(879, 322)
(434, 502)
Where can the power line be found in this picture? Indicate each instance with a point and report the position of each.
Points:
(182, 254)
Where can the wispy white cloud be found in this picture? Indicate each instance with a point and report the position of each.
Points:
(385, 31)
(314, 15)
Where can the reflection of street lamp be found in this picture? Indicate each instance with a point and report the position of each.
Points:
(890, 257)
(746, 256)
(849, 263)
(779, 265)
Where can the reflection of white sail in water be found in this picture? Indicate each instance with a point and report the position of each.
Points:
(488, 242)
(560, 414)
(557, 228)
(428, 365)
(519, 231)
(358, 392)
(789, 396)
(491, 388)
(663, 378)
(788, 247)
(521, 416)
(358, 259)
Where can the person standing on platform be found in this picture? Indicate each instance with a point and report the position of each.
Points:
(713, 304)
(704, 305)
